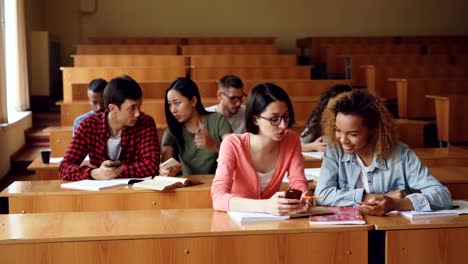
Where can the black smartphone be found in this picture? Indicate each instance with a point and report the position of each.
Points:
(116, 163)
(292, 193)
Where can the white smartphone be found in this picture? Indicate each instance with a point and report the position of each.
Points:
(169, 164)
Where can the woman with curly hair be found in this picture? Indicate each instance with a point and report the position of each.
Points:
(365, 163)
(311, 137)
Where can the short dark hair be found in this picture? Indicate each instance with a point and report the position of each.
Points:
(259, 98)
(189, 89)
(121, 88)
(230, 81)
(97, 85)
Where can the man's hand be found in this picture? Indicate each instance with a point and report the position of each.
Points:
(106, 171)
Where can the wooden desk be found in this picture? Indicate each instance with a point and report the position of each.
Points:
(48, 196)
(450, 116)
(442, 157)
(174, 236)
(428, 240)
(44, 171)
(456, 180)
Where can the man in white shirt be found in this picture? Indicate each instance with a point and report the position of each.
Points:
(231, 94)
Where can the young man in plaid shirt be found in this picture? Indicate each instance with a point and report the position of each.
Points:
(121, 142)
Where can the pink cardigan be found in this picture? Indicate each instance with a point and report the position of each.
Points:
(235, 175)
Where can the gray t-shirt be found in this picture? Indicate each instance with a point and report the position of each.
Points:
(198, 160)
(237, 121)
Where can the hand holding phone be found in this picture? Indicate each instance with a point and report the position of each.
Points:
(368, 203)
(292, 193)
(168, 164)
(116, 163)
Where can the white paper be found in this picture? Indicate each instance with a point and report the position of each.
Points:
(314, 154)
(242, 217)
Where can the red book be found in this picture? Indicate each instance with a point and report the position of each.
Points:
(340, 216)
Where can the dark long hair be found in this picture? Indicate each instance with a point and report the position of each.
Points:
(313, 125)
(259, 98)
(189, 89)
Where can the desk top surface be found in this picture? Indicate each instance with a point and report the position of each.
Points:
(398, 222)
(52, 187)
(117, 225)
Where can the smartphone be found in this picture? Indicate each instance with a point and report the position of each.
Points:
(169, 164)
(368, 203)
(293, 194)
(116, 163)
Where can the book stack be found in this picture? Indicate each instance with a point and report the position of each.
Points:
(340, 216)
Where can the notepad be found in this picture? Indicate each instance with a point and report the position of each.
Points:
(314, 154)
(340, 216)
(245, 217)
(462, 209)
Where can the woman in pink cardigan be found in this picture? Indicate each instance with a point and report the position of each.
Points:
(251, 166)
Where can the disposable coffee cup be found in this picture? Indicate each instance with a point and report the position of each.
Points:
(45, 155)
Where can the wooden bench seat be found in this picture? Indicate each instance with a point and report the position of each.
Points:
(241, 60)
(377, 75)
(411, 99)
(86, 74)
(303, 107)
(99, 60)
(228, 49)
(349, 65)
(127, 49)
(412, 132)
(253, 73)
(451, 111)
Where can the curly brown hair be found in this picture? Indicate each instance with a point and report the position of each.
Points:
(375, 115)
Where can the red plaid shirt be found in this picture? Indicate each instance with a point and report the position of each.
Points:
(140, 148)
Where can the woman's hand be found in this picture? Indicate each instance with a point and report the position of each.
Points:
(317, 145)
(278, 205)
(383, 205)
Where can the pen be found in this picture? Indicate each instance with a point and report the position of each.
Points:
(313, 197)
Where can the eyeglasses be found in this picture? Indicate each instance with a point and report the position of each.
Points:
(235, 99)
(276, 120)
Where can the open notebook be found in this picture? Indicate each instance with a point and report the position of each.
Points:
(96, 185)
(244, 217)
(164, 183)
(460, 207)
(314, 154)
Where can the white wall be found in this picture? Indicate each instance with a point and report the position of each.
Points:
(286, 20)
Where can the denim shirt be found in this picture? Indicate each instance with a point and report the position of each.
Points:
(402, 171)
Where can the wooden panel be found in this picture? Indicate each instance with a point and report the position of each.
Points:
(110, 202)
(136, 40)
(127, 49)
(330, 247)
(228, 49)
(411, 99)
(294, 88)
(151, 90)
(411, 132)
(377, 75)
(151, 107)
(242, 60)
(374, 54)
(166, 61)
(450, 114)
(355, 61)
(230, 40)
(253, 73)
(140, 74)
(446, 245)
